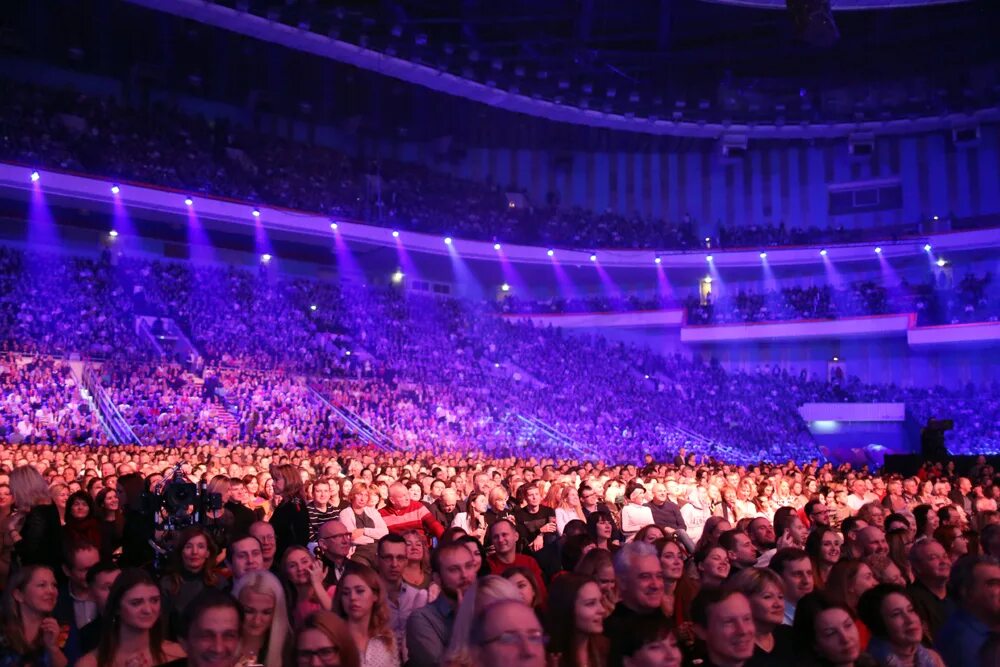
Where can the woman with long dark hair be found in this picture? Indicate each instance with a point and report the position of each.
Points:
(896, 628)
(823, 547)
(29, 635)
(133, 627)
(111, 521)
(575, 622)
(360, 600)
(81, 520)
(190, 570)
(291, 517)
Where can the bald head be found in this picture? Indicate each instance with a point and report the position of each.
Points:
(399, 497)
(449, 499)
(871, 541)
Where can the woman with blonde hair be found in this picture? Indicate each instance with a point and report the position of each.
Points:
(360, 600)
(41, 534)
(60, 495)
(569, 508)
(324, 635)
(364, 522)
(291, 518)
(266, 638)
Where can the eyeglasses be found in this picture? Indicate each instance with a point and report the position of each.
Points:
(338, 536)
(513, 638)
(325, 655)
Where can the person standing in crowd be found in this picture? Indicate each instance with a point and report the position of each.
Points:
(40, 540)
(110, 522)
(291, 517)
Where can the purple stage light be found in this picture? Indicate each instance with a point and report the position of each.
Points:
(941, 262)
(505, 287)
(35, 176)
(113, 233)
(496, 246)
(550, 253)
(188, 201)
(657, 260)
(878, 250)
(265, 258)
(333, 226)
(593, 258)
(927, 247)
(395, 234)
(709, 258)
(763, 255)
(822, 253)
(256, 213)
(447, 240)
(115, 189)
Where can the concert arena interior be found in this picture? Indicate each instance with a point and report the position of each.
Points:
(573, 333)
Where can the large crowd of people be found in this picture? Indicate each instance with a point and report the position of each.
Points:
(280, 357)
(183, 554)
(163, 145)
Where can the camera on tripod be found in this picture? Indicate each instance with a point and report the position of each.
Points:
(175, 503)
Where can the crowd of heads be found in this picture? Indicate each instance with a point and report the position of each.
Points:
(361, 557)
(163, 145)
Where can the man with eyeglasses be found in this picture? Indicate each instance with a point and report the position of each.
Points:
(403, 599)
(818, 513)
(334, 540)
(264, 532)
(640, 584)
(508, 634)
(590, 501)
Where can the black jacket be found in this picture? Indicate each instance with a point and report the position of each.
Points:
(41, 542)
(291, 526)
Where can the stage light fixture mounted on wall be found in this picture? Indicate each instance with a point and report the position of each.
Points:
(115, 189)
(35, 176)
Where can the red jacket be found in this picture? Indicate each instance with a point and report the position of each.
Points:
(414, 517)
(498, 567)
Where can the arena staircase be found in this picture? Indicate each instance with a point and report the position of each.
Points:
(355, 424)
(535, 428)
(169, 342)
(111, 419)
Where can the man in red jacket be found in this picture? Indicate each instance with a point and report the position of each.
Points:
(403, 514)
(504, 537)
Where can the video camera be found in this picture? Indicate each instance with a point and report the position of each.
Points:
(174, 504)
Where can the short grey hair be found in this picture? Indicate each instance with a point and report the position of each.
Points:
(626, 556)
